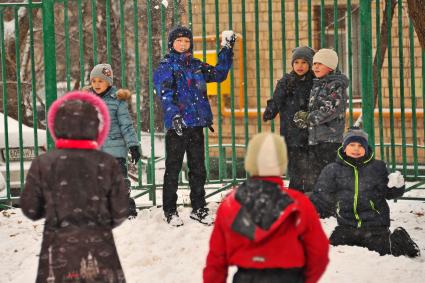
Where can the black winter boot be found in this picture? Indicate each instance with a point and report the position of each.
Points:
(132, 210)
(402, 244)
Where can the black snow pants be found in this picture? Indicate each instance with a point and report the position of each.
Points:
(320, 155)
(191, 143)
(269, 275)
(375, 239)
(298, 167)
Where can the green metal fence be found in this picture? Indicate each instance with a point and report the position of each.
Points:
(49, 47)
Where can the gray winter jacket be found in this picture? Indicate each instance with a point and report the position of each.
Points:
(122, 134)
(327, 105)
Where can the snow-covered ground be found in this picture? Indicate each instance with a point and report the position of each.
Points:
(152, 251)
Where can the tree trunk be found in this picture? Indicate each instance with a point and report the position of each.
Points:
(416, 10)
(389, 4)
(10, 58)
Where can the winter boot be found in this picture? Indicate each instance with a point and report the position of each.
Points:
(402, 244)
(173, 218)
(202, 215)
(132, 210)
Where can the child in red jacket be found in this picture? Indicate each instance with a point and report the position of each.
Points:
(272, 234)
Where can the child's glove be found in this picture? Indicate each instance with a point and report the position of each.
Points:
(271, 111)
(135, 153)
(123, 94)
(395, 180)
(301, 119)
(178, 124)
(228, 38)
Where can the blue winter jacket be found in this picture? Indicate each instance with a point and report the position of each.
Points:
(121, 134)
(180, 80)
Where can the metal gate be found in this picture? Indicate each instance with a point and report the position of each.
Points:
(49, 47)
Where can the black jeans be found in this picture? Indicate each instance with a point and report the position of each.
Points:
(123, 166)
(320, 155)
(375, 239)
(191, 143)
(298, 167)
(269, 275)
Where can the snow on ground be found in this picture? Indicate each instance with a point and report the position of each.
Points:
(151, 251)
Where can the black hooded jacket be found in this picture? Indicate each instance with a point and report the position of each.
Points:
(355, 191)
(291, 95)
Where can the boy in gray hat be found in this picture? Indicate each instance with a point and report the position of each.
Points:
(290, 96)
(354, 189)
(325, 118)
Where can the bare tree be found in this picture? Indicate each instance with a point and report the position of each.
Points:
(416, 10)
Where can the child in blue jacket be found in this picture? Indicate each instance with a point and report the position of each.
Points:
(181, 83)
(122, 136)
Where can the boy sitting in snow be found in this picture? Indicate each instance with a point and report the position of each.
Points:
(355, 189)
(181, 83)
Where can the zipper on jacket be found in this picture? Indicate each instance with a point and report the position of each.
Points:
(373, 207)
(356, 188)
(356, 196)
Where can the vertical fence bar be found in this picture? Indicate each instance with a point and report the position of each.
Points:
(413, 98)
(19, 96)
(33, 83)
(283, 19)
(378, 75)
(232, 98)
(366, 63)
(108, 31)
(137, 67)
(67, 51)
(204, 59)
(423, 88)
(49, 48)
(81, 42)
(270, 22)
(5, 112)
(94, 20)
(297, 28)
(176, 12)
(322, 24)
(401, 72)
(221, 162)
(336, 25)
(390, 89)
(189, 13)
(257, 65)
(309, 21)
(151, 101)
(122, 37)
(350, 63)
(245, 83)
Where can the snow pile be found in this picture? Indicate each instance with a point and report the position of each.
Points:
(152, 251)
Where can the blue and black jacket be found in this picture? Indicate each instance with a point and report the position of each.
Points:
(180, 81)
(355, 191)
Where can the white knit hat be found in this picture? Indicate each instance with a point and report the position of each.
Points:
(103, 71)
(327, 57)
(266, 155)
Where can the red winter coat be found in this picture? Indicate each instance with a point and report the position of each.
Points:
(294, 240)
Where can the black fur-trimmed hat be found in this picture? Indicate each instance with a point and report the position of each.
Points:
(179, 31)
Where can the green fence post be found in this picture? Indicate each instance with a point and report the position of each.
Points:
(49, 48)
(366, 63)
